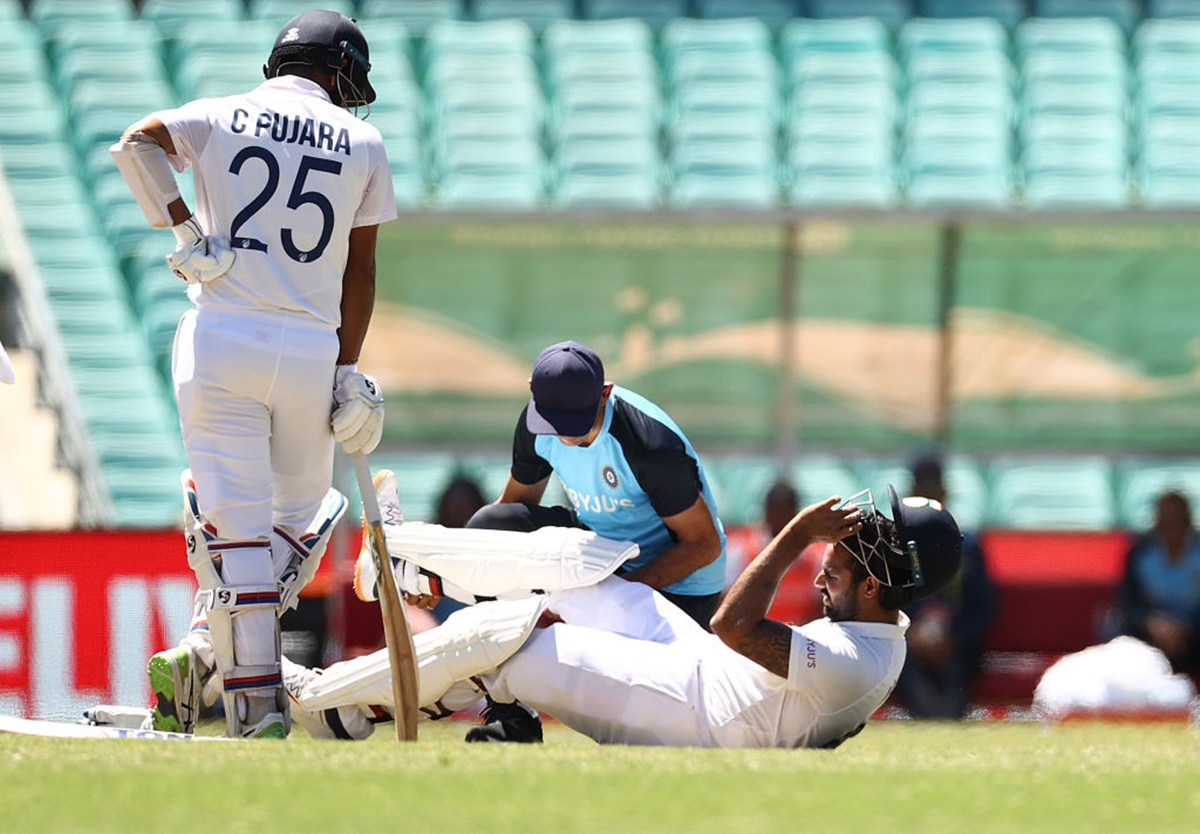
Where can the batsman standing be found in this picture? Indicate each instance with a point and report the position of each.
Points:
(279, 259)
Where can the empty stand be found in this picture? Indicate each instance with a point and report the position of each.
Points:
(841, 124)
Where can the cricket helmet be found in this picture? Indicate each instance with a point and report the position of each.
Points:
(332, 42)
(914, 554)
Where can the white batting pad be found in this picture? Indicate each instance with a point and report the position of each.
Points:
(497, 563)
(470, 642)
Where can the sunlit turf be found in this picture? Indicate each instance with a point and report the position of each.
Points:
(894, 777)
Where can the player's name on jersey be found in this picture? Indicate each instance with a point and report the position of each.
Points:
(292, 130)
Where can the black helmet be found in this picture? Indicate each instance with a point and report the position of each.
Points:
(326, 40)
(914, 554)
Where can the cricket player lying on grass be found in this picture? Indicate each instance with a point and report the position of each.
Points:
(615, 661)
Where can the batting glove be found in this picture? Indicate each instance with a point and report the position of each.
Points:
(197, 258)
(357, 419)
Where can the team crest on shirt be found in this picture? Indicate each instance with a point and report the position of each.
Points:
(610, 476)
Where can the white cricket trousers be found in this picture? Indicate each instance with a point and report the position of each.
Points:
(624, 669)
(255, 391)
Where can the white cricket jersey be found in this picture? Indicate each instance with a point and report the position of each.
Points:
(838, 675)
(284, 174)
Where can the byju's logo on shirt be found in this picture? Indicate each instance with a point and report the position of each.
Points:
(611, 479)
(594, 504)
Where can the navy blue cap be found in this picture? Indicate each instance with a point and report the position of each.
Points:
(567, 383)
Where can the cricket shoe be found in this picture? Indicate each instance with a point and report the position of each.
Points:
(511, 722)
(365, 576)
(271, 725)
(346, 723)
(176, 681)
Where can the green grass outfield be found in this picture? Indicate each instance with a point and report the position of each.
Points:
(895, 777)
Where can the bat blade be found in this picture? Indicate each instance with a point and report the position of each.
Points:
(397, 632)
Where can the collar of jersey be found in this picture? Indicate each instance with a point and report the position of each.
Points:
(885, 630)
(297, 84)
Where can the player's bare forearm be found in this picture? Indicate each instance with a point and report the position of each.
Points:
(697, 544)
(674, 563)
(741, 620)
(515, 492)
(358, 293)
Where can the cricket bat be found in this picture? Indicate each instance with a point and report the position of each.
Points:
(396, 631)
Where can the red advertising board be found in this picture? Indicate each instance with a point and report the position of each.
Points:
(81, 611)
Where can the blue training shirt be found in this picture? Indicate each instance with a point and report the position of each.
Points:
(639, 470)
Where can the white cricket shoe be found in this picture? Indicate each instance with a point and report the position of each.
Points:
(389, 511)
(346, 723)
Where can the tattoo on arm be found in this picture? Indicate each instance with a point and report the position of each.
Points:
(769, 645)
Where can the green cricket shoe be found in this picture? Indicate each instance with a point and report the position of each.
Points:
(176, 687)
(271, 725)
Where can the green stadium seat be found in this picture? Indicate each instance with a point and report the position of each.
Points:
(49, 15)
(279, 12)
(171, 17)
(1086, 35)
(1167, 37)
(1124, 13)
(416, 15)
(656, 13)
(487, 41)
(892, 13)
(597, 37)
(740, 36)
(1051, 493)
(773, 13)
(991, 68)
(860, 35)
(959, 170)
(1141, 480)
(971, 37)
(721, 172)
(1008, 13)
(868, 68)
(537, 14)
(1173, 9)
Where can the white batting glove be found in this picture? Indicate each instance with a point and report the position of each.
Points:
(357, 419)
(198, 258)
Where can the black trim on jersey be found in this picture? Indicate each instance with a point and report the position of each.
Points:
(528, 467)
(658, 458)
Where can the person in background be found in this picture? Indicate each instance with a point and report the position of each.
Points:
(1159, 596)
(945, 641)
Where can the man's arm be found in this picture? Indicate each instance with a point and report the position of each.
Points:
(358, 293)
(697, 544)
(515, 492)
(157, 131)
(741, 620)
